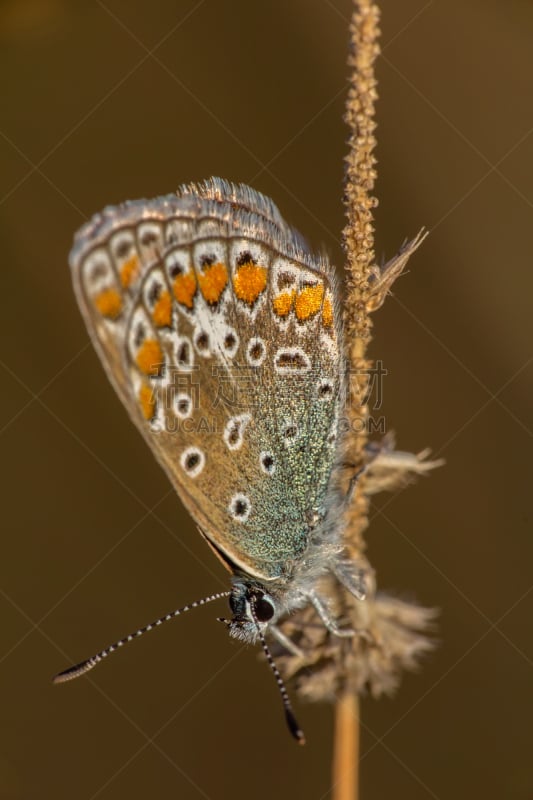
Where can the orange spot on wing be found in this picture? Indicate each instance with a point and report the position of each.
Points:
(213, 281)
(185, 289)
(249, 281)
(129, 271)
(147, 401)
(309, 301)
(327, 313)
(282, 304)
(162, 313)
(109, 303)
(150, 357)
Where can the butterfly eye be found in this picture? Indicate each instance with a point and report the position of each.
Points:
(264, 608)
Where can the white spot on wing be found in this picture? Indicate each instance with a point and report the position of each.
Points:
(326, 388)
(183, 405)
(192, 461)
(234, 431)
(184, 354)
(267, 462)
(240, 507)
(291, 361)
(256, 351)
(150, 241)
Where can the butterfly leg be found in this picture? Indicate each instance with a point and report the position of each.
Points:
(372, 452)
(353, 482)
(322, 611)
(351, 577)
(285, 642)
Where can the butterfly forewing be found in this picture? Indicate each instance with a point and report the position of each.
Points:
(221, 334)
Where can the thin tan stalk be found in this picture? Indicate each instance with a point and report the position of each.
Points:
(346, 754)
(358, 238)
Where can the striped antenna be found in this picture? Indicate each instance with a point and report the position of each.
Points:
(291, 720)
(80, 669)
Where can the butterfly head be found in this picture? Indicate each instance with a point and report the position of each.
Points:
(253, 610)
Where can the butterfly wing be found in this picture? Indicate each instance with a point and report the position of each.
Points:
(220, 334)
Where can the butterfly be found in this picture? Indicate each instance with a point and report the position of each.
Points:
(222, 335)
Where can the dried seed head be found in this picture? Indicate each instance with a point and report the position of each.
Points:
(392, 637)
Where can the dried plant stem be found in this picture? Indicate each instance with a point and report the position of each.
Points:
(358, 238)
(360, 271)
(345, 778)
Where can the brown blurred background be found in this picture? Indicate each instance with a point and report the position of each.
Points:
(103, 101)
